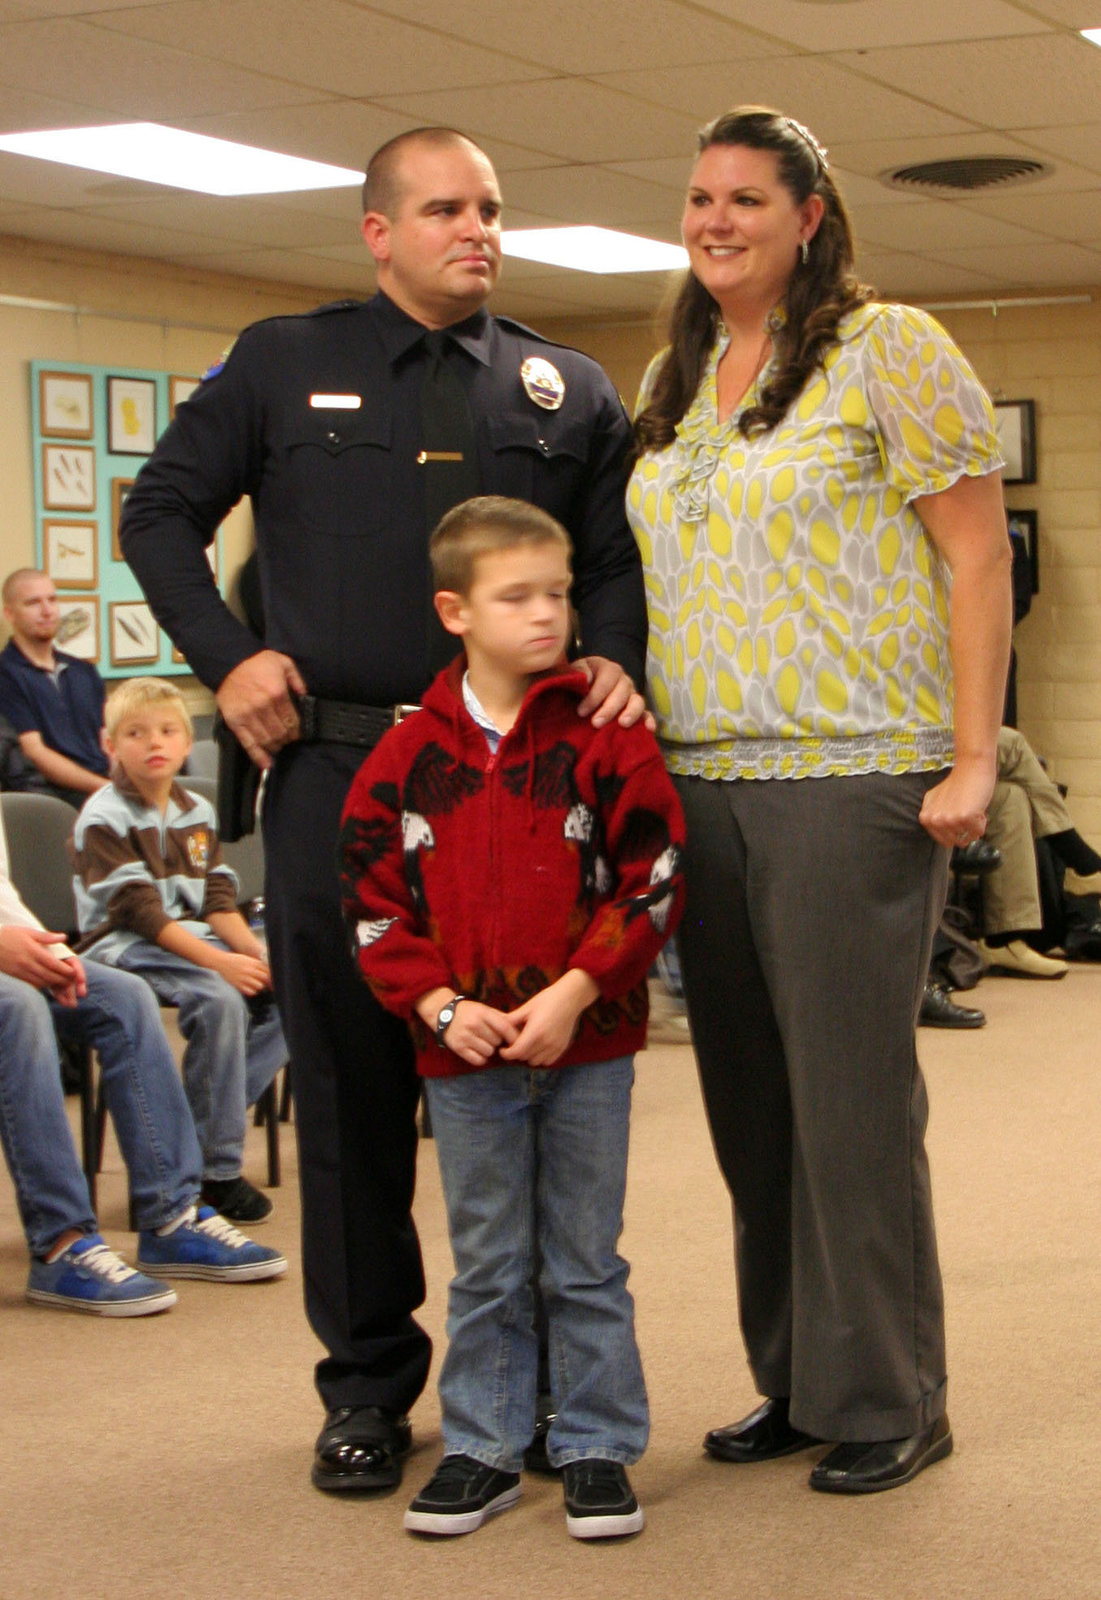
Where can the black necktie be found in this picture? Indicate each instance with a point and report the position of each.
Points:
(448, 459)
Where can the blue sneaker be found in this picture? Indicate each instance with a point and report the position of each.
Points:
(207, 1246)
(90, 1277)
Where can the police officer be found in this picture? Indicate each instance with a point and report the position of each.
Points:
(324, 420)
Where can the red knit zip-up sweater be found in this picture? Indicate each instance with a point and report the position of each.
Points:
(495, 874)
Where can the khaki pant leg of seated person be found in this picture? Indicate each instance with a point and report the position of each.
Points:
(1011, 893)
(1019, 765)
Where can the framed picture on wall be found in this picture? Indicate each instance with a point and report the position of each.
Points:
(78, 632)
(1024, 525)
(131, 416)
(1016, 424)
(65, 405)
(134, 635)
(68, 477)
(179, 390)
(69, 553)
(120, 488)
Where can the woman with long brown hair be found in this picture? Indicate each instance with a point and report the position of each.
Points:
(818, 504)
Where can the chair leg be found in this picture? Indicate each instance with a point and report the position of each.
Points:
(267, 1113)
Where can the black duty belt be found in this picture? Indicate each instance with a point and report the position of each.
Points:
(346, 721)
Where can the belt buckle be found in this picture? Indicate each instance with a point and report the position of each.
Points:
(403, 711)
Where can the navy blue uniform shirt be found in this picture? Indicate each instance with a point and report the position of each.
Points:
(338, 495)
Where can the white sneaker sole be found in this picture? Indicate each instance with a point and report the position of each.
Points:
(597, 1527)
(105, 1308)
(445, 1523)
(251, 1273)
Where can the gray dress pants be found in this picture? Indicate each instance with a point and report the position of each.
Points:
(811, 906)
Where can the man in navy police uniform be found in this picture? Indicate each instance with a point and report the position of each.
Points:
(319, 419)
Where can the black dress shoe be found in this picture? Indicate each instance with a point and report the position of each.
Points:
(361, 1448)
(763, 1435)
(939, 1010)
(867, 1468)
(978, 856)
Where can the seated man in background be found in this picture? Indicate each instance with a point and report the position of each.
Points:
(53, 701)
(1026, 806)
(72, 1269)
(154, 896)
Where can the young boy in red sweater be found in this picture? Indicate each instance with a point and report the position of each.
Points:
(509, 874)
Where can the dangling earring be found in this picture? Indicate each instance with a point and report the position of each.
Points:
(804, 251)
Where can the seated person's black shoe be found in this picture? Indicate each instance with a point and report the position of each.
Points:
(361, 1448)
(867, 1468)
(535, 1456)
(939, 1010)
(978, 856)
(763, 1435)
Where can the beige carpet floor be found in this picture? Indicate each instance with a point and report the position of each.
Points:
(168, 1456)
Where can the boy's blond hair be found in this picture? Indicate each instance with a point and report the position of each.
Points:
(488, 523)
(135, 694)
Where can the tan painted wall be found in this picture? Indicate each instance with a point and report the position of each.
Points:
(1051, 355)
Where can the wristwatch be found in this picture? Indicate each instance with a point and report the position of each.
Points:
(446, 1016)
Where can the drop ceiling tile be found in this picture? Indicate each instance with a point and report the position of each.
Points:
(575, 36)
(328, 44)
(1046, 265)
(831, 100)
(842, 26)
(1039, 81)
(1071, 217)
(907, 277)
(344, 132)
(565, 117)
(130, 78)
(871, 157)
(922, 226)
(1068, 13)
(86, 231)
(586, 194)
(1079, 143)
(241, 219)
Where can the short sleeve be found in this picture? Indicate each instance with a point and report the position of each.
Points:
(934, 418)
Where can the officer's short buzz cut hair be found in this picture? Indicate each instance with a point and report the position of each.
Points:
(382, 185)
(482, 526)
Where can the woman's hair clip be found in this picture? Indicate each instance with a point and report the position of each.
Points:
(808, 138)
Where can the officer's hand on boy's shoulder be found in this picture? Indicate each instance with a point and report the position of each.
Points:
(612, 695)
(255, 699)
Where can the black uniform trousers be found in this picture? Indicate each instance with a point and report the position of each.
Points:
(356, 1093)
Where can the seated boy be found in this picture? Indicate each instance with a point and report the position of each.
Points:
(42, 985)
(154, 896)
(509, 874)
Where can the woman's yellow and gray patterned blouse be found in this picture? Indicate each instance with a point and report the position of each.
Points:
(798, 609)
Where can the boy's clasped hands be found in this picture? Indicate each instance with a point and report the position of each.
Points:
(534, 1035)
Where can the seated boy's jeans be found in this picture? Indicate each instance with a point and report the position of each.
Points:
(229, 1058)
(516, 1144)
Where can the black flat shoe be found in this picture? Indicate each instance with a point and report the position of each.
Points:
(361, 1448)
(939, 1010)
(867, 1468)
(765, 1434)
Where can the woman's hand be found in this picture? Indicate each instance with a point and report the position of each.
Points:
(954, 810)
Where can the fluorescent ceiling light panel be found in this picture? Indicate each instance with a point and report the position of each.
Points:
(1092, 34)
(194, 161)
(593, 250)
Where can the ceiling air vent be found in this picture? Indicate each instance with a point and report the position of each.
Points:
(967, 175)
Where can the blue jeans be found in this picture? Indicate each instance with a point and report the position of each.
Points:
(229, 1059)
(120, 1019)
(525, 1151)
